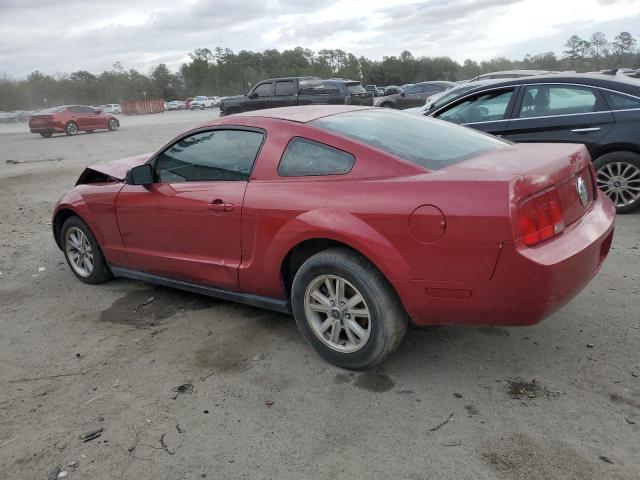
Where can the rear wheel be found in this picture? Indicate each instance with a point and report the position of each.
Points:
(46, 134)
(71, 129)
(113, 125)
(386, 105)
(83, 253)
(618, 175)
(347, 310)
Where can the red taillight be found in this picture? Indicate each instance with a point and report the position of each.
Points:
(540, 217)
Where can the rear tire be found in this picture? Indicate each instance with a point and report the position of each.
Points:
(71, 129)
(618, 176)
(82, 252)
(386, 105)
(359, 335)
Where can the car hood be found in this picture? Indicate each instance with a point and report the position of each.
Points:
(234, 98)
(119, 168)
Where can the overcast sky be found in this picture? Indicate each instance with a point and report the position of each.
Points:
(64, 36)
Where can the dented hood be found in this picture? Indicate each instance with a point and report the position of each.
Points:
(119, 168)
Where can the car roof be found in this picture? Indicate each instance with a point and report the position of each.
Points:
(619, 83)
(301, 114)
(308, 77)
(436, 82)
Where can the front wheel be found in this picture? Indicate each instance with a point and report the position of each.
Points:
(347, 310)
(386, 105)
(82, 252)
(618, 176)
(113, 125)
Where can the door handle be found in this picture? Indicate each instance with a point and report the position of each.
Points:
(585, 130)
(220, 206)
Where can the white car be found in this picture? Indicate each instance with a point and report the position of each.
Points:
(201, 102)
(112, 108)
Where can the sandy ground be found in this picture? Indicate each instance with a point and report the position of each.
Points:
(560, 400)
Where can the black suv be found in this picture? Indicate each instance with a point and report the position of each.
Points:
(600, 111)
(290, 91)
(414, 95)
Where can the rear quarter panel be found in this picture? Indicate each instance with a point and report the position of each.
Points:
(369, 209)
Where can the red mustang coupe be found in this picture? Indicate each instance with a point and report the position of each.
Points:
(357, 220)
(71, 119)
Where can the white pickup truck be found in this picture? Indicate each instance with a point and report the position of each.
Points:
(201, 102)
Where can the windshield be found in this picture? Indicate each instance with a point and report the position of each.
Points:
(454, 92)
(200, 98)
(426, 142)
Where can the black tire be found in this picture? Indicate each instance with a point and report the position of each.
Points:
(71, 129)
(113, 125)
(619, 162)
(46, 134)
(386, 105)
(100, 272)
(388, 320)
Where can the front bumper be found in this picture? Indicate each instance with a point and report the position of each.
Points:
(528, 284)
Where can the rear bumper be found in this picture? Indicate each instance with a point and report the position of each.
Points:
(528, 284)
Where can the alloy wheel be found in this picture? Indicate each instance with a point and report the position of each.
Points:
(337, 313)
(79, 251)
(620, 181)
(72, 128)
(113, 125)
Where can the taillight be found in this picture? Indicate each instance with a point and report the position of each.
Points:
(540, 217)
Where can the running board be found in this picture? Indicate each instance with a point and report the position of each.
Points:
(239, 297)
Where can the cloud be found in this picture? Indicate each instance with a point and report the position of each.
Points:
(84, 35)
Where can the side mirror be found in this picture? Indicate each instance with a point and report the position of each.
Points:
(402, 94)
(253, 95)
(98, 111)
(140, 175)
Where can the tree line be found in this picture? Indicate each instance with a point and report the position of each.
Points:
(223, 72)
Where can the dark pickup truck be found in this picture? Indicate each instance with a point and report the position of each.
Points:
(290, 91)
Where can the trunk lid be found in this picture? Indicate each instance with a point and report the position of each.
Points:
(567, 167)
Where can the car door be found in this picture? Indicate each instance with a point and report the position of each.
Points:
(94, 119)
(80, 117)
(410, 97)
(284, 94)
(560, 113)
(261, 96)
(187, 224)
(488, 111)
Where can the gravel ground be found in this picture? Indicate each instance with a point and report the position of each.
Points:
(560, 400)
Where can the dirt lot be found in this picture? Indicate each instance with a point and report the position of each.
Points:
(558, 400)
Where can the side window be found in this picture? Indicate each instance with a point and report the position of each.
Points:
(618, 101)
(485, 107)
(75, 109)
(209, 156)
(546, 100)
(87, 110)
(304, 157)
(264, 90)
(413, 89)
(284, 89)
(434, 88)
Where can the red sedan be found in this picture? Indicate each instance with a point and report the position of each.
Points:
(359, 221)
(71, 119)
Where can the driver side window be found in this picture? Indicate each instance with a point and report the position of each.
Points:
(264, 90)
(485, 107)
(217, 155)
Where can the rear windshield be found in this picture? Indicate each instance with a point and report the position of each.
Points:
(48, 111)
(429, 143)
(355, 88)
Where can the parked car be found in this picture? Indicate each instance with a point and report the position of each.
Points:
(215, 100)
(415, 95)
(201, 102)
(113, 108)
(71, 119)
(291, 91)
(600, 111)
(373, 89)
(8, 117)
(176, 105)
(437, 99)
(357, 220)
(392, 90)
(509, 74)
(381, 92)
